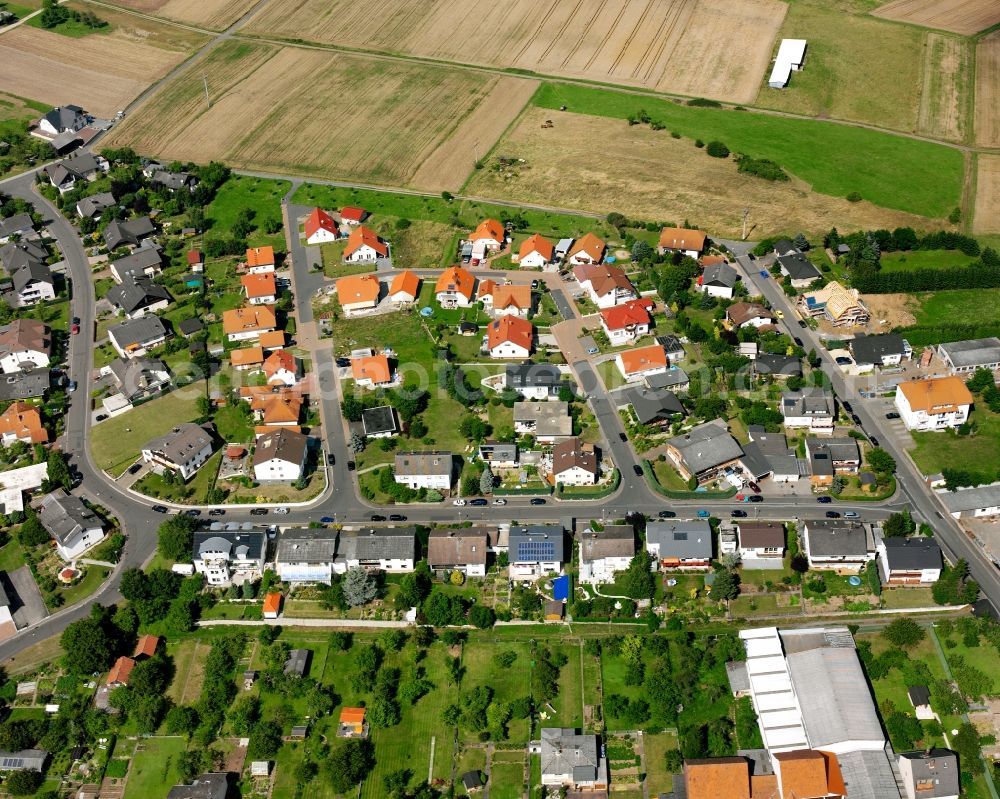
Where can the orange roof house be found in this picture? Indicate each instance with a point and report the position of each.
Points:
(350, 213)
(629, 314)
(272, 604)
(504, 298)
(717, 777)
(146, 646)
(455, 281)
(194, 257)
(489, 230)
(352, 722)
(536, 244)
(274, 340)
(249, 321)
(509, 330)
(642, 360)
(278, 409)
(247, 357)
(322, 222)
(936, 395)
(280, 360)
(405, 287)
(711, 260)
(260, 257)
(682, 239)
(360, 238)
(121, 671)
(805, 773)
(358, 291)
(22, 422)
(259, 286)
(607, 283)
(588, 249)
(373, 370)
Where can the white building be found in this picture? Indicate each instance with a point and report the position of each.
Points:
(510, 338)
(972, 503)
(909, 561)
(813, 409)
(458, 549)
(430, 469)
(388, 549)
(183, 450)
(306, 556)
(624, 323)
(963, 357)
(935, 403)
(791, 55)
(574, 463)
(930, 774)
(761, 544)
(573, 761)
(841, 545)
(73, 526)
(25, 344)
(535, 551)
(280, 456)
(225, 555)
(605, 553)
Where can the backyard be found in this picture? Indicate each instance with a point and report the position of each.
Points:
(935, 451)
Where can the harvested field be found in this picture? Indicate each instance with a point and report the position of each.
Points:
(599, 164)
(899, 310)
(708, 48)
(987, 218)
(102, 72)
(958, 16)
(946, 95)
(988, 91)
(213, 14)
(297, 111)
(857, 67)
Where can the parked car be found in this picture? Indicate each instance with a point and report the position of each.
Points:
(458, 502)
(134, 468)
(802, 323)
(754, 487)
(844, 361)
(258, 512)
(375, 517)
(194, 514)
(764, 274)
(499, 502)
(738, 514)
(282, 510)
(327, 520)
(850, 514)
(216, 512)
(623, 437)
(159, 508)
(637, 469)
(824, 500)
(74, 328)
(892, 415)
(397, 517)
(72, 386)
(873, 440)
(331, 459)
(537, 501)
(755, 498)
(666, 514)
(832, 514)
(779, 313)
(798, 341)
(100, 417)
(845, 403)
(703, 514)
(592, 350)
(535, 284)
(343, 362)
(478, 502)
(350, 466)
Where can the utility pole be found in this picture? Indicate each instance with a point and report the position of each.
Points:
(746, 213)
(208, 102)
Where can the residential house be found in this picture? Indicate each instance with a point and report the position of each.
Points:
(33, 283)
(718, 280)
(654, 408)
(838, 544)
(574, 463)
(174, 181)
(321, 227)
(748, 314)
(212, 785)
(832, 456)
(586, 250)
(146, 647)
(797, 774)
(280, 408)
(624, 323)
(498, 455)
(704, 451)
(510, 337)
(673, 348)
(606, 552)
(777, 367)
(351, 723)
(501, 299)
(454, 288)
(372, 371)
(24, 760)
(73, 526)
(183, 450)
(642, 363)
(17, 254)
(388, 549)
(799, 270)
(222, 553)
(247, 359)
(909, 561)
(280, 456)
(930, 774)
(95, 205)
(358, 293)
(573, 761)
(970, 503)
(761, 544)
(534, 551)
(120, 672)
(429, 469)
(537, 381)
(458, 549)
(606, 284)
(840, 306)
(136, 297)
(683, 240)
(249, 322)
(19, 225)
(65, 175)
(195, 261)
(260, 260)
(63, 119)
(282, 367)
(139, 378)
(128, 233)
(933, 403)
(260, 288)
(352, 215)
(135, 337)
(274, 340)
(271, 605)
(877, 351)
(680, 544)
(25, 344)
(811, 408)
(535, 252)
(490, 235)
(306, 556)
(144, 262)
(547, 422)
(962, 357)
(364, 246)
(380, 422)
(405, 288)
(25, 385)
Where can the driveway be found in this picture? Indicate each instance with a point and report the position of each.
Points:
(27, 605)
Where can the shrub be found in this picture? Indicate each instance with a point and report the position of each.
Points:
(854, 197)
(717, 149)
(761, 168)
(699, 143)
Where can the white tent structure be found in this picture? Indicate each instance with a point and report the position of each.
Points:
(791, 54)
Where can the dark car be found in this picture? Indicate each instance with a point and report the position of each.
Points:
(873, 440)
(892, 415)
(217, 512)
(194, 514)
(377, 518)
(537, 501)
(666, 514)
(160, 508)
(832, 514)
(350, 466)
(843, 361)
(623, 437)
(478, 502)
(71, 386)
(327, 520)
(535, 284)
(754, 487)
(755, 498)
(856, 419)
(100, 417)
(397, 517)
(637, 469)
(738, 514)
(802, 323)
(258, 512)
(824, 500)
(134, 468)
(331, 459)
(845, 403)
(342, 362)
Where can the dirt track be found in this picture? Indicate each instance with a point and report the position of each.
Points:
(958, 16)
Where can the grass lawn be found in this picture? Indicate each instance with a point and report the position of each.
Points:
(194, 491)
(569, 702)
(888, 170)
(189, 656)
(610, 374)
(946, 307)
(754, 605)
(154, 767)
(116, 442)
(11, 556)
(507, 684)
(233, 425)
(262, 196)
(469, 760)
(935, 451)
(658, 779)
(92, 580)
(924, 259)
(507, 780)
(907, 598)
(982, 657)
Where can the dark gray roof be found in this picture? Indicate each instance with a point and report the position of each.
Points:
(131, 231)
(533, 375)
(213, 785)
(911, 554)
(871, 349)
(674, 376)
(136, 293)
(670, 344)
(831, 538)
(784, 247)
(17, 223)
(938, 768)
(919, 695)
(380, 420)
(967, 499)
(719, 275)
(973, 352)
(768, 363)
(31, 272)
(138, 332)
(135, 375)
(14, 255)
(64, 117)
(431, 462)
(24, 385)
(378, 543)
(284, 445)
(307, 546)
(706, 446)
(471, 780)
(298, 662)
(550, 417)
(652, 406)
(64, 516)
(25, 760)
(868, 773)
(238, 544)
(95, 204)
(839, 448)
(535, 543)
(174, 180)
(137, 263)
(681, 539)
(497, 451)
(739, 677)
(798, 267)
(755, 461)
(564, 751)
(189, 327)
(614, 541)
(808, 402)
(769, 443)
(180, 443)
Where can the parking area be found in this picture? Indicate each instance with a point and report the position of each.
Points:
(26, 603)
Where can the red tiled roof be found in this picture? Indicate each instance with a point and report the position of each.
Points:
(260, 256)
(194, 257)
(488, 229)
(146, 646)
(261, 284)
(278, 360)
(590, 245)
(643, 358)
(406, 281)
(121, 670)
(358, 288)
(537, 244)
(374, 368)
(362, 236)
(680, 238)
(272, 602)
(353, 214)
(510, 328)
(456, 279)
(633, 312)
(320, 220)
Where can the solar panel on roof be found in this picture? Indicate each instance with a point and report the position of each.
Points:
(680, 536)
(536, 550)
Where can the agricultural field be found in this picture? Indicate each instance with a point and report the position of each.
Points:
(988, 91)
(959, 16)
(946, 96)
(102, 72)
(987, 215)
(298, 122)
(213, 14)
(857, 67)
(704, 48)
(564, 164)
(924, 259)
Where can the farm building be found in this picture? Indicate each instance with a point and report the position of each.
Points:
(791, 54)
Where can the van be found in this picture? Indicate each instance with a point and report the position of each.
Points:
(850, 514)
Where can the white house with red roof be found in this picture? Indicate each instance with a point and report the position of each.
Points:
(586, 250)
(624, 323)
(535, 252)
(510, 337)
(322, 227)
(364, 245)
(281, 367)
(489, 234)
(352, 215)
(606, 284)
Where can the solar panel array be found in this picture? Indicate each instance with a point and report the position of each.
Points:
(536, 550)
(12, 762)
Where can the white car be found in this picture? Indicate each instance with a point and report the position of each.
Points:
(499, 502)
(282, 510)
(458, 502)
